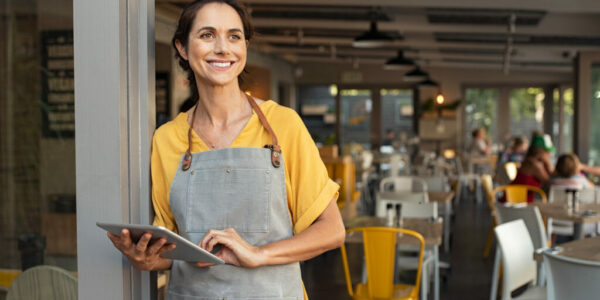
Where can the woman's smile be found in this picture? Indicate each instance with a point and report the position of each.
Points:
(221, 65)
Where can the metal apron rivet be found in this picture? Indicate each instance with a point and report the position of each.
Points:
(192, 172)
(228, 171)
(268, 172)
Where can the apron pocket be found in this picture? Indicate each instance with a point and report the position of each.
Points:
(229, 198)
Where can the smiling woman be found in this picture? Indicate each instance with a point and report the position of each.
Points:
(235, 173)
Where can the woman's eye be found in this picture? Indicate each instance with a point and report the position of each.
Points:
(236, 37)
(206, 35)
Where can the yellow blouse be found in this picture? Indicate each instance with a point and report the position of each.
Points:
(309, 189)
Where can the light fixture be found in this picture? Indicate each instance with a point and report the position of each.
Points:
(398, 62)
(416, 75)
(439, 99)
(372, 38)
(428, 83)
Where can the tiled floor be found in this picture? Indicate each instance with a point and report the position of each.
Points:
(468, 278)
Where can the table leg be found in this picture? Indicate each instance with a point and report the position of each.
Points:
(436, 273)
(447, 216)
(577, 230)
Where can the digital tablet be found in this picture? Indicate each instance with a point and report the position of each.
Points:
(184, 250)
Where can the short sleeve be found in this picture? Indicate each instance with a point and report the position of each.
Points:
(160, 189)
(309, 188)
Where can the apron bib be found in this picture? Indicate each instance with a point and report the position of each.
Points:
(240, 188)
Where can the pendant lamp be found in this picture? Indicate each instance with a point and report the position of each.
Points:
(428, 83)
(372, 38)
(416, 75)
(398, 62)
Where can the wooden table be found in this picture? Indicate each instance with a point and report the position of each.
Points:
(431, 231)
(444, 199)
(559, 211)
(584, 249)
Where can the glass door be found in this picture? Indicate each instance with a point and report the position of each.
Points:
(526, 111)
(355, 115)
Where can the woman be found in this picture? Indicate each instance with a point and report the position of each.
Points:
(535, 169)
(234, 171)
(480, 145)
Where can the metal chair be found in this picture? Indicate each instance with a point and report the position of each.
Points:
(518, 267)
(43, 283)
(380, 254)
(560, 194)
(517, 193)
(403, 184)
(571, 278)
(488, 187)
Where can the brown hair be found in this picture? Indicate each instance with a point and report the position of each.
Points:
(184, 26)
(567, 165)
(535, 151)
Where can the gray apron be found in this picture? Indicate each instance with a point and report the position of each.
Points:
(240, 188)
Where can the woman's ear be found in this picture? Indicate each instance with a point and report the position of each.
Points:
(181, 49)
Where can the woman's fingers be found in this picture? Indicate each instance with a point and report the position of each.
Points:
(142, 244)
(153, 249)
(165, 248)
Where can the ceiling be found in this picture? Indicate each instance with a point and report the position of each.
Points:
(503, 35)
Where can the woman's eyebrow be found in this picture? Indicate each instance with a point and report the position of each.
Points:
(210, 28)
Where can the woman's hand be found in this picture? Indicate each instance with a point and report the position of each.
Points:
(141, 255)
(234, 249)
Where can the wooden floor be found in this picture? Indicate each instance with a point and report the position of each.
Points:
(468, 278)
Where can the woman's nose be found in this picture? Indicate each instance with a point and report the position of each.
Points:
(221, 46)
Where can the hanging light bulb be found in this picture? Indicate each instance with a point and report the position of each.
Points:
(439, 99)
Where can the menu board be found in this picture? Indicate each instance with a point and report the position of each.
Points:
(58, 89)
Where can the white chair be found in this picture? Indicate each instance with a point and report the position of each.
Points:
(416, 210)
(43, 283)
(464, 180)
(436, 183)
(571, 278)
(402, 184)
(381, 200)
(559, 194)
(518, 267)
(535, 225)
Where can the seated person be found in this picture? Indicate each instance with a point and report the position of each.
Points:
(568, 173)
(516, 152)
(480, 145)
(535, 169)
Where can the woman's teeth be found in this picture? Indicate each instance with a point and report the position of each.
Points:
(221, 64)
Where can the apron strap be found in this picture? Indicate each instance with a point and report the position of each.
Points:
(275, 149)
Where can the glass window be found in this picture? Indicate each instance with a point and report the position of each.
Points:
(526, 111)
(482, 111)
(356, 117)
(564, 143)
(317, 109)
(396, 113)
(594, 158)
(37, 128)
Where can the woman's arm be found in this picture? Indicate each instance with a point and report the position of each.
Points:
(326, 233)
(590, 169)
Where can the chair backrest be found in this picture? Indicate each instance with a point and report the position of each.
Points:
(532, 218)
(559, 194)
(402, 183)
(511, 170)
(517, 193)
(488, 187)
(518, 266)
(380, 253)
(412, 207)
(43, 282)
(436, 183)
(572, 278)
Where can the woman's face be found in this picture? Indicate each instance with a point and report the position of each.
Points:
(216, 47)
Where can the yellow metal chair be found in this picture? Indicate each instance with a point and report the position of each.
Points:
(517, 193)
(380, 254)
(488, 186)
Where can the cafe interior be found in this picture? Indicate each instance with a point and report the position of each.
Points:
(431, 116)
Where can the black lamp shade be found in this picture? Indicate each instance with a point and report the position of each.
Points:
(428, 83)
(372, 38)
(398, 62)
(416, 75)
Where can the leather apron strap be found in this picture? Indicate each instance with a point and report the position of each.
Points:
(275, 148)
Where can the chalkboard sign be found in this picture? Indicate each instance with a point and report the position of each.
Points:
(58, 89)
